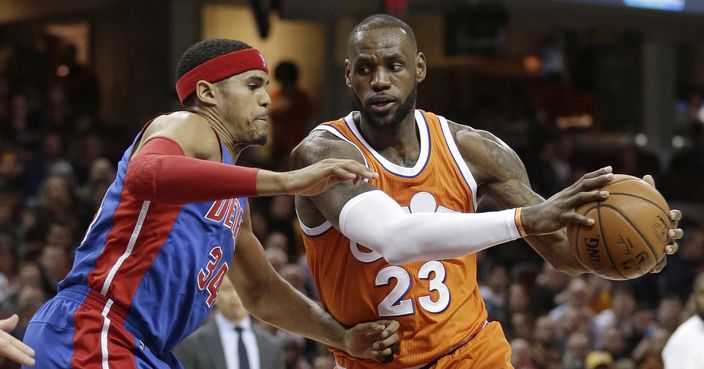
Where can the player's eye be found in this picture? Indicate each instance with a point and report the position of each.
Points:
(363, 69)
(395, 67)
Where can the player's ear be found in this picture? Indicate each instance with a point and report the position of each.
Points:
(421, 68)
(205, 92)
(348, 70)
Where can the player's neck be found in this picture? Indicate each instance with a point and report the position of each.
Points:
(224, 136)
(399, 143)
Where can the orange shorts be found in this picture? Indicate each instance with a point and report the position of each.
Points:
(489, 349)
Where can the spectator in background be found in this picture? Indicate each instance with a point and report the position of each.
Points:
(668, 313)
(618, 315)
(576, 351)
(521, 354)
(290, 111)
(648, 353)
(495, 292)
(102, 174)
(548, 285)
(546, 347)
(684, 348)
(612, 341)
(599, 360)
(230, 340)
(642, 324)
(9, 278)
(293, 354)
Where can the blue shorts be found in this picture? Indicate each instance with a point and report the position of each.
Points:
(81, 329)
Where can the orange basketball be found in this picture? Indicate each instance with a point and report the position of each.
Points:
(629, 235)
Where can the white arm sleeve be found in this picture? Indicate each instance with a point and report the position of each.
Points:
(375, 220)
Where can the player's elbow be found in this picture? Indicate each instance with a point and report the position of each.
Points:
(397, 248)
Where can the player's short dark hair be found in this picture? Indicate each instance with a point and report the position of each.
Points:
(203, 51)
(381, 21)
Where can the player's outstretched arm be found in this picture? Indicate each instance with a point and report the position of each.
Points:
(11, 347)
(273, 300)
(502, 176)
(373, 219)
(178, 161)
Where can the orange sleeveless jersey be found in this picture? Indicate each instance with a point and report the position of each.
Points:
(436, 302)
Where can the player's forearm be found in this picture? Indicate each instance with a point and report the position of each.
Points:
(555, 249)
(301, 316)
(272, 183)
(376, 221)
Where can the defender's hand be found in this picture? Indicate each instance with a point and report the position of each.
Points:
(558, 211)
(374, 340)
(675, 233)
(322, 175)
(11, 347)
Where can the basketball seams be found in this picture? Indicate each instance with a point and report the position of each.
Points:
(603, 238)
(636, 229)
(665, 213)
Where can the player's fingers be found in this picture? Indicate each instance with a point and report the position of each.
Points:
(15, 349)
(387, 342)
(672, 248)
(577, 218)
(675, 234)
(584, 197)
(659, 267)
(391, 326)
(596, 182)
(358, 169)
(597, 173)
(385, 356)
(9, 323)
(649, 180)
(343, 174)
(675, 217)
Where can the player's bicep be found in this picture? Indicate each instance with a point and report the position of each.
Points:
(330, 202)
(497, 168)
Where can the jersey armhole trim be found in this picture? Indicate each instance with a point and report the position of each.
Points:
(459, 160)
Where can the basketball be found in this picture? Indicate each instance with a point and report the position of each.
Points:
(629, 235)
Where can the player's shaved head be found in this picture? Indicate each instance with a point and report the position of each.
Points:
(379, 21)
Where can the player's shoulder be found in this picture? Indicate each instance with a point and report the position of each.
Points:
(473, 139)
(190, 130)
(487, 155)
(322, 144)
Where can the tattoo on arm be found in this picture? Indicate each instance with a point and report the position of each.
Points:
(507, 159)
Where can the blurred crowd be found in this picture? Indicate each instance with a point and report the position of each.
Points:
(57, 158)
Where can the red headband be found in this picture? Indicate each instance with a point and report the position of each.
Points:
(219, 68)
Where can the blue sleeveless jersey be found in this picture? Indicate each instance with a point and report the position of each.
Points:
(160, 265)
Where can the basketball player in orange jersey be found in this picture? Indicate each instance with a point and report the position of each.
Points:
(402, 246)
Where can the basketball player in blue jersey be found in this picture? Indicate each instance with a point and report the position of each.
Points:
(176, 222)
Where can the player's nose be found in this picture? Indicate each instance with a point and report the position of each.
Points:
(380, 80)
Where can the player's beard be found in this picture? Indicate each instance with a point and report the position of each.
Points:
(384, 121)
